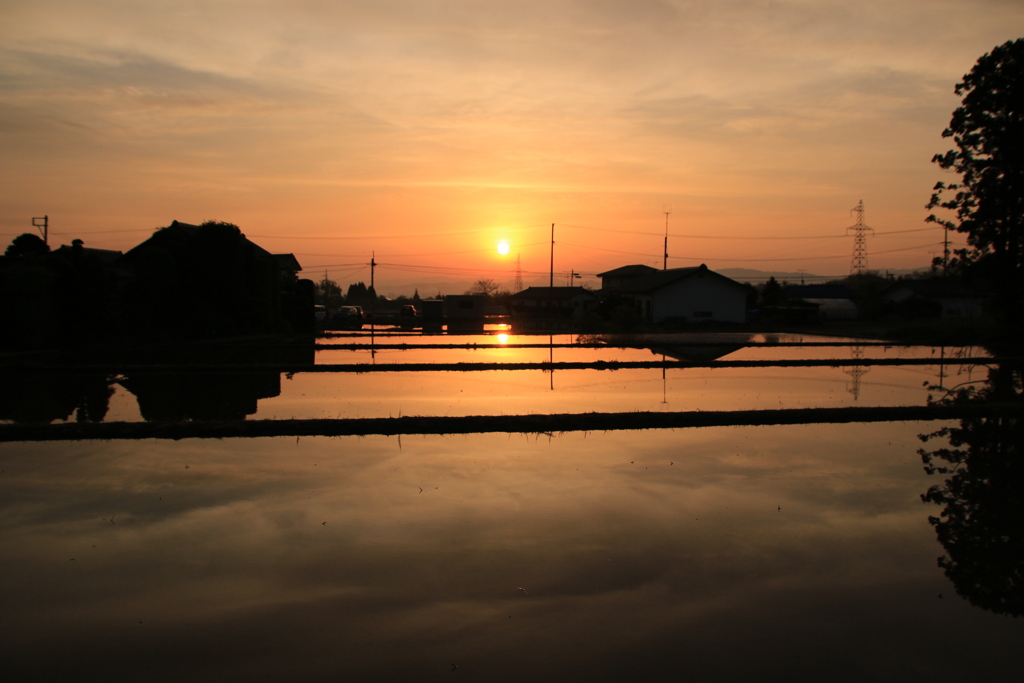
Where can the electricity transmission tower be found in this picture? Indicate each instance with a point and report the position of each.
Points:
(519, 275)
(859, 264)
(856, 371)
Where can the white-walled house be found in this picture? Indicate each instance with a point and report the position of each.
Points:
(677, 294)
(951, 299)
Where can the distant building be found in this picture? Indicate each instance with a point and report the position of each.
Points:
(465, 312)
(78, 250)
(690, 295)
(945, 298)
(551, 307)
(830, 302)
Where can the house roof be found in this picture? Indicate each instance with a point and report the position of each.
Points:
(657, 279)
(626, 271)
(178, 233)
(553, 293)
(288, 262)
(105, 256)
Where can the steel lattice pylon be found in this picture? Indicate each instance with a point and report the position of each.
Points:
(859, 264)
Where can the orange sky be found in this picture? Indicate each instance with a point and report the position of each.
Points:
(427, 131)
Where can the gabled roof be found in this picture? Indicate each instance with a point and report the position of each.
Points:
(627, 271)
(288, 262)
(178, 233)
(661, 278)
(553, 293)
(104, 256)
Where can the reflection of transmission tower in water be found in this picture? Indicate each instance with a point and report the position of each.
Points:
(859, 265)
(856, 371)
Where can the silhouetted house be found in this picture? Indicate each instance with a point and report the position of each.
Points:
(209, 279)
(63, 297)
(830, 302)
(562, 304)
(932, 298)
(78, 251)
(678, 294)
(288, 267)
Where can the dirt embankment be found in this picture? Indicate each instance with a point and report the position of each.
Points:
(530, 424)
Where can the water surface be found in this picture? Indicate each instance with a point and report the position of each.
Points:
(754, 553)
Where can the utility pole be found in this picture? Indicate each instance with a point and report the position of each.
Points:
(551, 280)
(45, 225)
(373, 301)
(859, 264)
(945, 251)
(664, 265)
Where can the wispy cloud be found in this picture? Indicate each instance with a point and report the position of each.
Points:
(271, 106)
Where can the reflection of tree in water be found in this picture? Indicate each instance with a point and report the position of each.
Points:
(177, 396)
(981, 525)
(29, 397)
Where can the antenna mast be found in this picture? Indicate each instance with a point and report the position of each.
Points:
(44, 223)
(859, 264)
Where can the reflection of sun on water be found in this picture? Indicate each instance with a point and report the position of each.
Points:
(503, 339)
(503, 247)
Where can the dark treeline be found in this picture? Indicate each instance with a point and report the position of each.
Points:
(185, 281)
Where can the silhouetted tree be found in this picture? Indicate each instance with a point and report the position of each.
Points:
(771, 293)
(27, 244)
(981, 526)
(483, 287)
(988, 129)
(329, 293)
(752, 295)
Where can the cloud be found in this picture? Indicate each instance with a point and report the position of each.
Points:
(664, 98)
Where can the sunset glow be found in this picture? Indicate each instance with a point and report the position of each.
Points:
(403, 129)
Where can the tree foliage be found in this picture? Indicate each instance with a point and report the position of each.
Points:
(988, 201)
(981, 526)
(484, 287)
(27, 244)
(329, 293)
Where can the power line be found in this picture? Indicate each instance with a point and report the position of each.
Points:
(734, 237)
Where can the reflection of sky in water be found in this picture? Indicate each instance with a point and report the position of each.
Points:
(504, 392)
(604, 556)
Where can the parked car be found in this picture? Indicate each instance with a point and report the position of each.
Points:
(408, 311)
(349, 317)
(319, 312)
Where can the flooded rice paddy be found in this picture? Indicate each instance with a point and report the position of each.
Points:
(799, 552)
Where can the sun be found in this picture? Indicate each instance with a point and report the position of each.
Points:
(503, 247)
